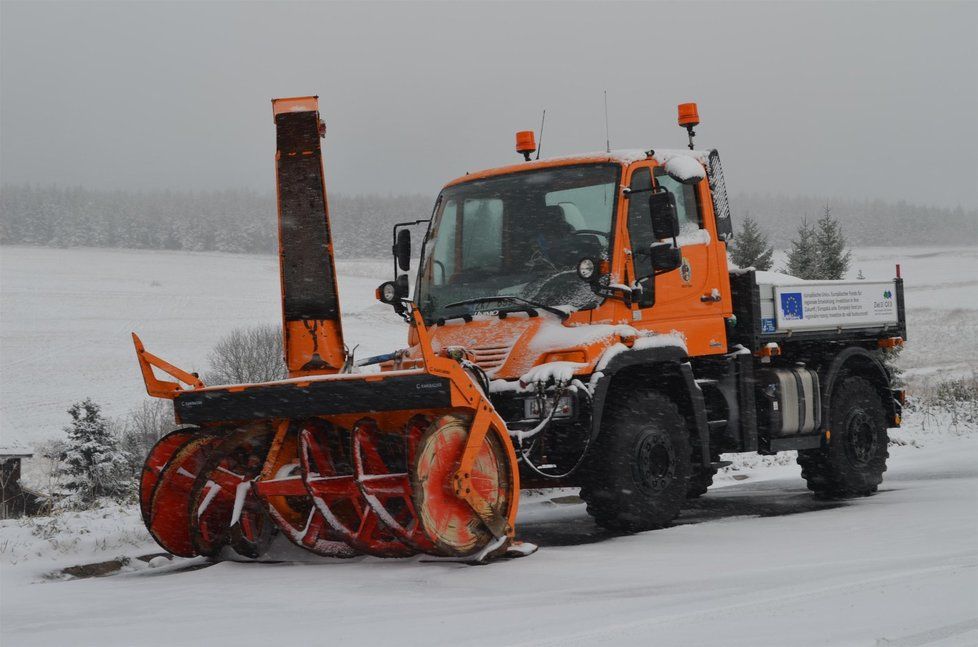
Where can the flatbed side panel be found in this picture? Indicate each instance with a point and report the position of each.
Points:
(310, 302)
(757, 325)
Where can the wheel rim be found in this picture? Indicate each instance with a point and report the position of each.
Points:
(862, 439)
(655, 463)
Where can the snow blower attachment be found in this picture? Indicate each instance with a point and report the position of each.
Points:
(391, 463)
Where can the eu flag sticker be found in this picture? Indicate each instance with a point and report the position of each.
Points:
(791, 306)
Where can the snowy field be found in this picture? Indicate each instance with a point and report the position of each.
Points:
(66, 315)
(757, 561)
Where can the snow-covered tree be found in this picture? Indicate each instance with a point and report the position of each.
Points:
(750, 247)
(833, 258)
(803, 255)
(92, 465)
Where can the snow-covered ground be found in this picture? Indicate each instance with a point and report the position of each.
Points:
(754, 562)
(757, 561)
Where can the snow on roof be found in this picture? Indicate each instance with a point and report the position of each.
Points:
(621, 156)
(662, 155)
(14, 449)
(682, 165)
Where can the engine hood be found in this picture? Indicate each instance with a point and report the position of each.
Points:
(508, 348)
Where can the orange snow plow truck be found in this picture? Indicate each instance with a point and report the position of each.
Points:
(574, 322)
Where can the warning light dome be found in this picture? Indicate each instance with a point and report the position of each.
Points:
(525, 143)
(688, 116)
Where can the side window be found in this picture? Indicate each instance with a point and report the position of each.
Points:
(687, 205)
(482, 242)
(639, 223)
(442, 270)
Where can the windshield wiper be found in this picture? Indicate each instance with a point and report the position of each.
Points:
(505, 297)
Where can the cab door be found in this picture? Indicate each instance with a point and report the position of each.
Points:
(689, 299)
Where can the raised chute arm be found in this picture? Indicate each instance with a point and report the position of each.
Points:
(312, 331)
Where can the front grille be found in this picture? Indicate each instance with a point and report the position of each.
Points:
(489, 358)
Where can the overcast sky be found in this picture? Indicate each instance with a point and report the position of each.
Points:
(873, 100)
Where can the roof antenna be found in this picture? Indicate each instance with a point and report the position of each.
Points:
(543, 120)
(607, 136)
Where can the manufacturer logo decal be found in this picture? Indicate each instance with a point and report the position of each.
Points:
(429, 385)
(686, 271)
(791, 308)
(887, 294)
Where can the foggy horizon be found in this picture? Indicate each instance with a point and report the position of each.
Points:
(858, 101)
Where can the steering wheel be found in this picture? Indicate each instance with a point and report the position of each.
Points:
(593, 232)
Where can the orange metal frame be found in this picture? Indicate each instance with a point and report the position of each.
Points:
(162, 388)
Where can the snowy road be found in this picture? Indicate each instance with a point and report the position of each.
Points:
(757, 562)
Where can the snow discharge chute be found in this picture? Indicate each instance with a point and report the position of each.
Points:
(410, 459)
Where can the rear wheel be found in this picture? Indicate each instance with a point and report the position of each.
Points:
(636, 477)
(853, 461)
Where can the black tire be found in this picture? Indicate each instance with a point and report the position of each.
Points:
(635, 478)
(701, 477)
(854, 459)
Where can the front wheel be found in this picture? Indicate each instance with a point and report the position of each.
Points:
(853, 462)
(637, 475)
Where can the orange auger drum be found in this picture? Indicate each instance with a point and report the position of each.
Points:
(390, 463)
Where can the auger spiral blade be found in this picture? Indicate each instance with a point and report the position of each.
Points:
(282, 488)
(332, 482)
(225, 510)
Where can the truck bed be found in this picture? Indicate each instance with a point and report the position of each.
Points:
(772, 307)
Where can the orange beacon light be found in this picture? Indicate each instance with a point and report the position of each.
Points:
(689, 118)
(525, 143)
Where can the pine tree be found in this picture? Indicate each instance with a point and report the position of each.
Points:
(92, 466)
(833, 258)
(750, 247)
(803, 255)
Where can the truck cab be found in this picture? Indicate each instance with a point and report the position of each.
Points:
(520, 232)
(590, 297)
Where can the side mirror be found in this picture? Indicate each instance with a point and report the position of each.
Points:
(402, 249)
(665, 257)
(665, 218)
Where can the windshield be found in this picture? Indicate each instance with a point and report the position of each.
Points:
(518, 235)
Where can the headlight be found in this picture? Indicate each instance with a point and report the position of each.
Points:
(539, 408)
